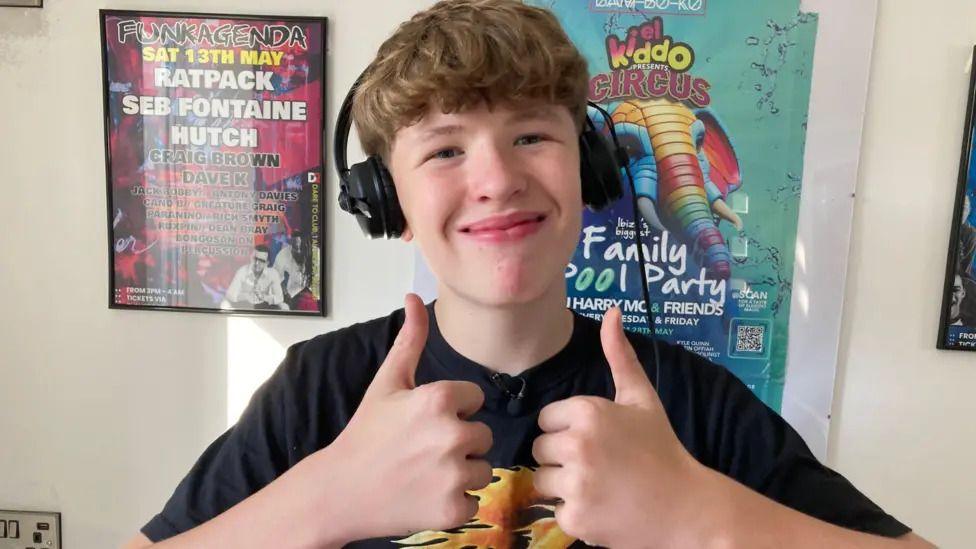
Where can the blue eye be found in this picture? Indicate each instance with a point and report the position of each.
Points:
(531, 139)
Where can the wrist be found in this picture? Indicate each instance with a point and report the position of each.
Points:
(314, 517)
(332, 510)
(715, 523)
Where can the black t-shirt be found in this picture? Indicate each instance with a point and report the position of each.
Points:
(311, 397)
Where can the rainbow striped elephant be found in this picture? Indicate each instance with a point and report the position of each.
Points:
(684, 168)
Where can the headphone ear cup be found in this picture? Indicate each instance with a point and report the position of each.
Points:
(599, 172)
(393, 220)
(377, 210)
(370, 188)
(361, 189)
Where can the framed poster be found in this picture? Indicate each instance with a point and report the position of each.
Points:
(214, 161)
(957, 325)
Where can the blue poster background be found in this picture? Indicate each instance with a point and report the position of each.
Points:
(721, 88)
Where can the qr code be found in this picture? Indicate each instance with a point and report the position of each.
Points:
(749, 339)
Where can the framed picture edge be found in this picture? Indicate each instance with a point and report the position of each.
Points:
(255, 16)
(7, 4)
(965, 158)
(322, 311)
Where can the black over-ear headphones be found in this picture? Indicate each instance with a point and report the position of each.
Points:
(366, 189)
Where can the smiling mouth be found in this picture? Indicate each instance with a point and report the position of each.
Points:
(506, 226)
(504, 230)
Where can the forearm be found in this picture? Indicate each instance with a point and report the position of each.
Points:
(234, 290)
(287, 513)
(748, 519)
(277, 296)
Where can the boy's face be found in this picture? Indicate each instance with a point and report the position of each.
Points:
(259, 261)
(958, 294)
(493, 198)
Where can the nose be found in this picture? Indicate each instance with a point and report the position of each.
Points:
(498, 174)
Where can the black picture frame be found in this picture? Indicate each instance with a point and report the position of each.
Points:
(21, 3)
(316, 205)
(957, 321)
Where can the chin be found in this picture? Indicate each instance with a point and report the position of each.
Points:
(500, 300)
(495, 278)
(501, 290)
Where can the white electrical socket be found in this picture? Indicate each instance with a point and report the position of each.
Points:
(30, 530)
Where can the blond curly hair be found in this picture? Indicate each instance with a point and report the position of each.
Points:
(459, 53)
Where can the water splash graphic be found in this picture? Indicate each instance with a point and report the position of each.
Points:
(788, 190)
(765, 258)
(772, 57)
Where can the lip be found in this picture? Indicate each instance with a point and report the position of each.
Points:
(505, 227)
(502, 221)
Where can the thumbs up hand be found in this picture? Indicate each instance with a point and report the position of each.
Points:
(623, 476)
(407, 456)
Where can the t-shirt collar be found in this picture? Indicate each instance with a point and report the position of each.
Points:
(538, 379)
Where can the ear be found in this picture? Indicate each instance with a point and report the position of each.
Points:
(406, 235)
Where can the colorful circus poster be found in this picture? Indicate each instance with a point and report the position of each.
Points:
(214, 161)
(710, 100)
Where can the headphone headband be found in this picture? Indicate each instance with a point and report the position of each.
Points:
(343, 125)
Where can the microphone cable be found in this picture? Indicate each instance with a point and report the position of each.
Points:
(623, 159)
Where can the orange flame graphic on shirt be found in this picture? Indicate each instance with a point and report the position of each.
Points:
(511, 513)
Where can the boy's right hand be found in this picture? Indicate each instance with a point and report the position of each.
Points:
(406, 458)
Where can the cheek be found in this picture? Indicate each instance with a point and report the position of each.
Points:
(572, 194)
(576, 221)
(427, 210)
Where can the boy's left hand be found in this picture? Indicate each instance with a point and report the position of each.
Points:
(622, 475)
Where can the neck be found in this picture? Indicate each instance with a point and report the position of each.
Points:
(509, 339)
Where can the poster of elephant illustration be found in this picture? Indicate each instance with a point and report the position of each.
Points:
(957, 328)
(710, 101)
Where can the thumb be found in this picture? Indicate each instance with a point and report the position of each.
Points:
(398, 371)
(629, 379)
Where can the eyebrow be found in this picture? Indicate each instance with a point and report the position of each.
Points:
(531, 113)
(438, 131)
(535, 112)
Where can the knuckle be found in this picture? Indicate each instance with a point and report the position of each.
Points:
(536, 447)
(576, 487)
(456, 436)
(484, 435)
(580, 448)
(477, 391)
(455, 512)
(469, 509)
(588, 412)
(484, 474)
(572, 521)
(539, 481)
(437, 397)
(454, 478)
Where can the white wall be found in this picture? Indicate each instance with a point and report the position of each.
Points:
(103, 411)
(904, 424)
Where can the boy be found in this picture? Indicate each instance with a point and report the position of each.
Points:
(255, 285)
(401, 431)
(291, 264)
